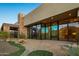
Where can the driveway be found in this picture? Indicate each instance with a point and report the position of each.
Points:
(50, 45)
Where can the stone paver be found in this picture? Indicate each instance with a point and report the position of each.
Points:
(49, 45)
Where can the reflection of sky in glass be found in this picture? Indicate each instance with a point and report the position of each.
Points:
(74, 24)
(62, 26)
(38, 27)
(54, 27)
(70, 24)
(44, 29)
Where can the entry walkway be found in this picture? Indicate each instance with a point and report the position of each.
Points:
(50, 45)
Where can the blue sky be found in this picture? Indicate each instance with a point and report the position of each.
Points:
(9, 11)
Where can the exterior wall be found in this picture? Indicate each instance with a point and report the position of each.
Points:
(46, 10)
(21, 29)
(6, 28)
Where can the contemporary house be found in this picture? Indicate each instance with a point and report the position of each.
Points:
(50, 21)
(15, 29)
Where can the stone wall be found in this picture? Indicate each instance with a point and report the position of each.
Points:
(22, 30)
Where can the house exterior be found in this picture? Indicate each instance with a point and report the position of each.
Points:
(50, 21)
(15, 29)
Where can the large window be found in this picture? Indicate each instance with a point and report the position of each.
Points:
(54, 31)
(13, 34)
(74, 31)
(38, 31)
(47, 32)
(33, 32)
(63, 32)
(66, 30)
(43, 31)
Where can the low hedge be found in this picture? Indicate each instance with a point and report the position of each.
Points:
(40, 53)
(4, 35)
(73, 51)
(19, 52)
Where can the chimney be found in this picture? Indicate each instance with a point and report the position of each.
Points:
(21, 23)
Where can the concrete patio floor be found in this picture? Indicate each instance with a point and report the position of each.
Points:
(50, 45)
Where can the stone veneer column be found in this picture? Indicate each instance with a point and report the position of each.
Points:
(22, 29)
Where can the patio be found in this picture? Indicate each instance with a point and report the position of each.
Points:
(50, 45)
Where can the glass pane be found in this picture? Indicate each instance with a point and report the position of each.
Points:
(54, 31)
(74, 31)
(28, 32)
(43, 31)
(33, 32)
(63, 32)
(38, 31)
(47, 33)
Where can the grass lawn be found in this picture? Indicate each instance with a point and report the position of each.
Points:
(19, 52)
(40, 53)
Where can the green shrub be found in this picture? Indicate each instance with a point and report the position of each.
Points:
(4, 35)
(40, 53)
(19, 52)
(73, 51)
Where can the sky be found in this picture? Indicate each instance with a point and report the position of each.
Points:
(9, 11)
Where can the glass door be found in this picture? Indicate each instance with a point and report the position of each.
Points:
(74, 31)
(34, 32)
(54, 31)
(63, 32)
(43, 32)
(38, 31)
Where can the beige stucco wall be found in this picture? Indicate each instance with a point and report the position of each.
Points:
(6, 28)
(47, 10)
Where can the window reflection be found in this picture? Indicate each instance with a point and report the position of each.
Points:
(74, 31)
(54, 31)
(63, 32)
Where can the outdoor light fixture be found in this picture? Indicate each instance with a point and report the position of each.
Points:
(69, 14)
(75, 19)
(74, 33)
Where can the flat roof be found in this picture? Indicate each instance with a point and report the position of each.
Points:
(11, 25)
(47, 10)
